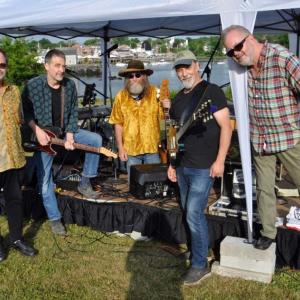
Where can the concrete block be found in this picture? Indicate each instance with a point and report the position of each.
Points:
(240, 259)
(243, 274)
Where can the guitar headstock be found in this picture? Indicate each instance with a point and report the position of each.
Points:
(205, 112)
(164, 92)
(108, 152)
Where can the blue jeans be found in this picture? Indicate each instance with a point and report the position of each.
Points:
(150, 158)
(44, 162)
(195, 185)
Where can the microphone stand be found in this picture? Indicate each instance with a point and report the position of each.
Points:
(207, 69)
(73, 74)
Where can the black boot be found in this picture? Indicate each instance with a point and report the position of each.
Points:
(23, 248)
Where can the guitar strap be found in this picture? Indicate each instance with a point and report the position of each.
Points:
(62, 107)
(194, 104)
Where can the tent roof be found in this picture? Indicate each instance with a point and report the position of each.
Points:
(160, 18)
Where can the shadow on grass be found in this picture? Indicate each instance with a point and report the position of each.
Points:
(155, 274)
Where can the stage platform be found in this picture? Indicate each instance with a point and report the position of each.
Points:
(117, 210)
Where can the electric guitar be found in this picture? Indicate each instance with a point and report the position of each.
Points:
(203, 114)
(35, 146)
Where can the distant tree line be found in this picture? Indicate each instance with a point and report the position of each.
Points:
(22, 52)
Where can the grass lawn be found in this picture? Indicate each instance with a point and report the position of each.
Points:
(89, 264)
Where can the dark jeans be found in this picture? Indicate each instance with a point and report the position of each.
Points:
(195, 185)
(11, 181)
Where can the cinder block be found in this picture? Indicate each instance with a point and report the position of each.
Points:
(240, 259)
(243, 274)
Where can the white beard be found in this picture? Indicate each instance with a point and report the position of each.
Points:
(245, 61)
(188, 83)
(136, 89)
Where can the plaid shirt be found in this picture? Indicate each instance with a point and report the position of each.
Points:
(273, 100)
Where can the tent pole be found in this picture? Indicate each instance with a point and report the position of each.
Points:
(298, 41)
(104, 75)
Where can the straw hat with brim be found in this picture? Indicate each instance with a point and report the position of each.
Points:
(133, 67)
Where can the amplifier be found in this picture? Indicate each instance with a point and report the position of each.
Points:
(151, 181)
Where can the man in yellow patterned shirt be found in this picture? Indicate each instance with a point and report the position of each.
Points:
(136, 115)
(12, 160)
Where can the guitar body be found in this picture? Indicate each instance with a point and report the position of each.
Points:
(172, 143)
(35, 146)
(48, 148)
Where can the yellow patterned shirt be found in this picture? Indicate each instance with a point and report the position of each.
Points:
(11, 151)
(140, 121)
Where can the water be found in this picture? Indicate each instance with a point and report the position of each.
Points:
(219, 75)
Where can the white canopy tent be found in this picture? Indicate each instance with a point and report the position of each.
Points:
(112, 18)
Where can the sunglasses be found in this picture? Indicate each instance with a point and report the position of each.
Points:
(3, 66)
(136, 75)
(237, 47)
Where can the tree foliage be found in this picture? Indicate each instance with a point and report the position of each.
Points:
(92, 42)
(21, 61)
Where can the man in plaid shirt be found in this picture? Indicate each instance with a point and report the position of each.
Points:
(274, 94)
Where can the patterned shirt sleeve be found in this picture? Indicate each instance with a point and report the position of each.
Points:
(116, 116)
(27, 105)
(292, 67)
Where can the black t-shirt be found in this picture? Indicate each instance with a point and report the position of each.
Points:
(201, 140)
(56, 106)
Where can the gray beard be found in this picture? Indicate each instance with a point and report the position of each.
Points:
(136, 89)
(188, 84)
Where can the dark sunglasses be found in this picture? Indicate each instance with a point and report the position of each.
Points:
(132, 75)
(237, 47)
(3, 66)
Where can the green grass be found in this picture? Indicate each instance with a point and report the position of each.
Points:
(89, 264)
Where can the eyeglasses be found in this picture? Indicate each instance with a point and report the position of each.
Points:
(132, 75)
(3, 66)
(237, 47)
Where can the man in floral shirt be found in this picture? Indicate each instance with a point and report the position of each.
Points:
(12, 161)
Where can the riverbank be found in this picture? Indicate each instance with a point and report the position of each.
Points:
(95, 69)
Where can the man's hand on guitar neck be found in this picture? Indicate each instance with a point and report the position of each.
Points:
(166, 103)
(69, 143)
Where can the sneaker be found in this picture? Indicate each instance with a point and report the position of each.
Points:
(58, 228)
(87, 191)
(194, 276)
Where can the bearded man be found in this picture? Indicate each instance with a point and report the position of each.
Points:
(205, 149)
(136, 115)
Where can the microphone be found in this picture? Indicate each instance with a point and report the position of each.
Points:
(107, 52)
(69, 71)
(113, 47)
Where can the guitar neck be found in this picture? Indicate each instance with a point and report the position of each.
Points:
(185, 127)
(60, 142)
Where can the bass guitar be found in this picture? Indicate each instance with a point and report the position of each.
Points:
(54, 140)
(169, 129)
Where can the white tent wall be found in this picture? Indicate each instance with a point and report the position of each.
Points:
(238, 81)
(293, 41)
(93, 17)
